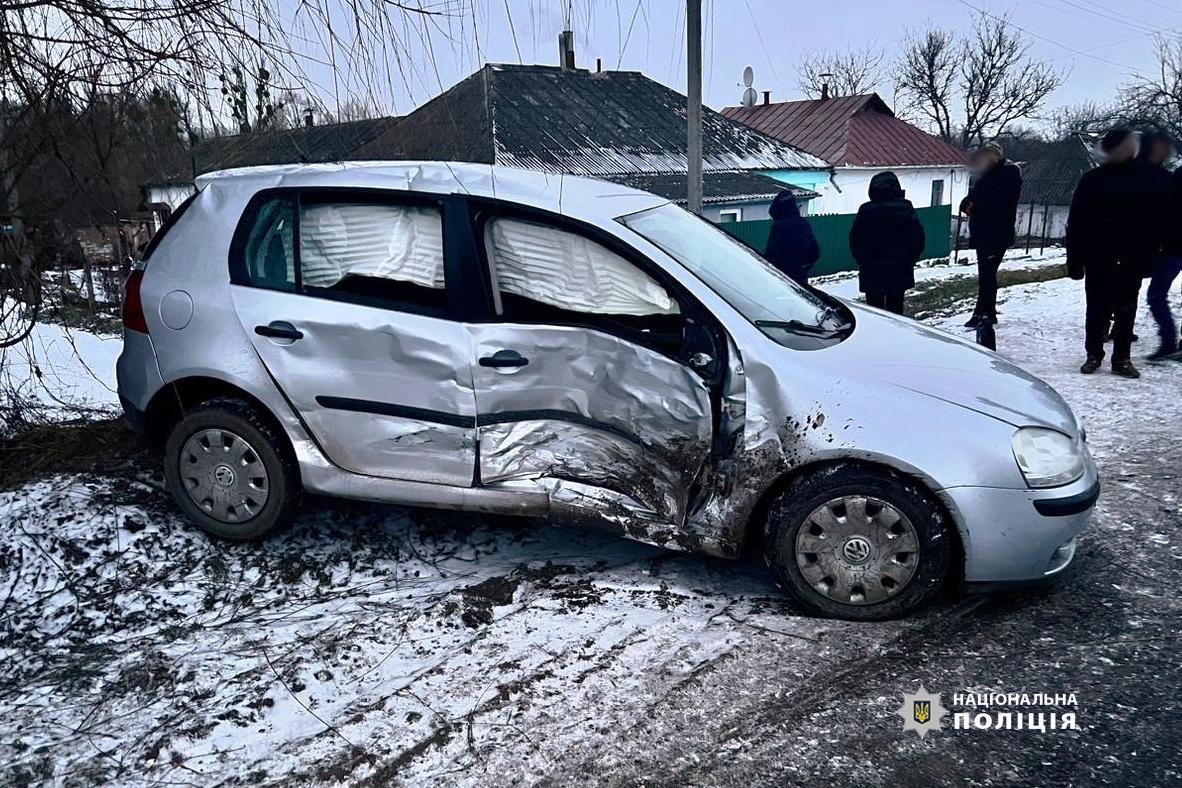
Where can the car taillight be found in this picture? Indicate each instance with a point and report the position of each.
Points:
(133, 307)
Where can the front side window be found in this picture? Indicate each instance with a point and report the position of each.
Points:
(759, 292)
(554, 268)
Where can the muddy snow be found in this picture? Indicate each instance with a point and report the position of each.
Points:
(382, 645)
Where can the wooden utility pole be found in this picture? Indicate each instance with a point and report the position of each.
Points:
(693, 36)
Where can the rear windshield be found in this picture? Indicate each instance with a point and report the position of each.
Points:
(169, 223)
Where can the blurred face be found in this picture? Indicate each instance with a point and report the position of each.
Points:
(1161, 152)
(984, 159)
(1125, 151)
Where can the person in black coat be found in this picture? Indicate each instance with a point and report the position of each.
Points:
(791, 245)
(1156, 150)
(992, 208)
(886, 241)
(1114, 234)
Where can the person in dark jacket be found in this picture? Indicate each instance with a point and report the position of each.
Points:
(1113, 235)
(1156, 152)
(992, 208)
(886, 241)
(791, 245)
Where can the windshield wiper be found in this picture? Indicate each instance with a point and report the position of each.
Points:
(797, 327)
(828, 312)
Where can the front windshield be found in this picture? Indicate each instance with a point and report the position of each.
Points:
(744, 279)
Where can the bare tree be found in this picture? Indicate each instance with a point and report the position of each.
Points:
(57, 56)
(926, 76)
(1157, 101)
(973, 89)
(854, 72)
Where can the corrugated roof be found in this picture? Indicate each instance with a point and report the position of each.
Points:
(1051, 170)
(577, 122)
(857, 131)
(720, 186)
(305, 144)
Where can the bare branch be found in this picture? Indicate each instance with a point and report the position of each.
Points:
(853, 72)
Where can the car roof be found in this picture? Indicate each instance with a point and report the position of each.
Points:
(574, 196)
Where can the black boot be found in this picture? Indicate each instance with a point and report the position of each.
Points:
(1125, 369)
(1166, 350)
(1091, 365)
(974, 321)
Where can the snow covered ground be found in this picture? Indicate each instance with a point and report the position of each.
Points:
(377, 645)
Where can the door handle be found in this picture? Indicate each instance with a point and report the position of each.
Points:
(279, 329)
(504, 358)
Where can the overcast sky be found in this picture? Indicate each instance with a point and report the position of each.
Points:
(1100, 43)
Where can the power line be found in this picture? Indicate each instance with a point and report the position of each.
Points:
(763, 46)
(1008, 23)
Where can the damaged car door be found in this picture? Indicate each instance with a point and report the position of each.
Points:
(345, 297)
(591, 379)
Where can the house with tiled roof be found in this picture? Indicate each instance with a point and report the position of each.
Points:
(859, 136)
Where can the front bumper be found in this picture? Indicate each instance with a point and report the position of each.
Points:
(1019, 536)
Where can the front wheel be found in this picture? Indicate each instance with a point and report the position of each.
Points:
(230, 472)
(855, 543)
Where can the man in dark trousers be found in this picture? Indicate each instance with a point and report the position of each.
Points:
(791, 245)
(1113, 235)
(886, 240)
(992, 208)
(1168, 265)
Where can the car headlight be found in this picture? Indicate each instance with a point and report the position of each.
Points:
(1047, 458)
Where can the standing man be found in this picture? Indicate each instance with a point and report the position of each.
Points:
(992, 208)
(1113, 235)
(1169, 263)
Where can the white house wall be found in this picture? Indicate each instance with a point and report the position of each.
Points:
(1031, 218)
(850, 185)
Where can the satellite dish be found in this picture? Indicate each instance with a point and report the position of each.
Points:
(748, 77)
(749, 97)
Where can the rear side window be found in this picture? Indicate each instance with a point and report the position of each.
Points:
(270, 247)
(367, 251)
(392, 251)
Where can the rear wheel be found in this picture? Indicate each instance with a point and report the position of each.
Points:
(230, 472)
(856, 543)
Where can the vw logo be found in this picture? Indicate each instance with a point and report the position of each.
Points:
(856, 549)
(224, 475)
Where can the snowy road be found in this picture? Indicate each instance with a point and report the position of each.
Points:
(371, 645)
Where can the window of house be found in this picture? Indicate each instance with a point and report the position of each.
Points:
(938, 192)
(373, 251)
(730, 215)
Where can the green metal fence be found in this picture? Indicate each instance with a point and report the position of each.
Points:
(833, 234)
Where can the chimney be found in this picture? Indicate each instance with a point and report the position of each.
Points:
(566, 50)
(598, 65)
(308, 117)
(825, 86)
(767, 97)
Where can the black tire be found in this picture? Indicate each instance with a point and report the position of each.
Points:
(283, 480)
(792, 508)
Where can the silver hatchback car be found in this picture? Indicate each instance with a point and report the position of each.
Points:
(498, 340)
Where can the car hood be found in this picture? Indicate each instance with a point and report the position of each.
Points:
(900, 352)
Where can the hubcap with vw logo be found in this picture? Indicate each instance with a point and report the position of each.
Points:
(224, 475)
(857, 549)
